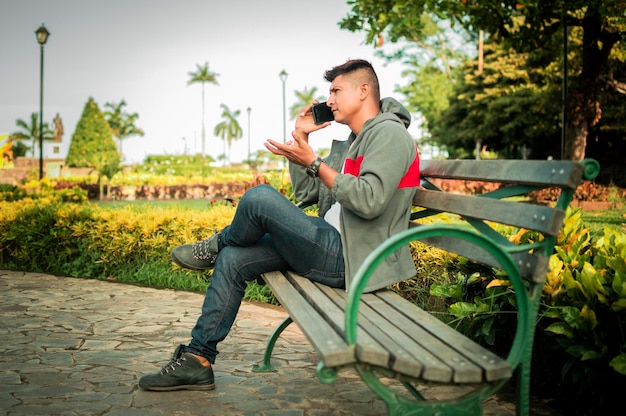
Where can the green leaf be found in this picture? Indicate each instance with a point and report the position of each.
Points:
(561, 328)
(487, 327)
(570, 315)
(583, 352)
(552, 313)
(619, 363)
(619, 305)
(590, 279)
(462, 309)
(590, 355)
(440, 290)
(589, 317)
(619, 285)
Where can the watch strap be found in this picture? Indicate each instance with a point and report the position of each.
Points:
(313, 169)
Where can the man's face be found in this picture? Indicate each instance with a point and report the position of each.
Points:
(344, 98)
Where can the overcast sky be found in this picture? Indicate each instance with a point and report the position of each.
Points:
(142, 51)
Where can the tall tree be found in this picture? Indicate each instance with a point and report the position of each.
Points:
(525, 25)
(92, 144)
(304, 98)
(511, 105)
(228, 129)
(203, 76)
(30, 131)
(122, 124)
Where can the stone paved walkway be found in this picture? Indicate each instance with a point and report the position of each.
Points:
(77, 347)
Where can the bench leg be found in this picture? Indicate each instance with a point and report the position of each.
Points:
(524, 368)
(523, 380)
(266, 366)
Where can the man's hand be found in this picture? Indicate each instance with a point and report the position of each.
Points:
(305, 123)
(298, 150)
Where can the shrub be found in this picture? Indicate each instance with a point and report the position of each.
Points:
(130, 244)
(580, 346)
(584, 317)
(45, 190)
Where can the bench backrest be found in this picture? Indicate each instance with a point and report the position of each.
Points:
(501, 205)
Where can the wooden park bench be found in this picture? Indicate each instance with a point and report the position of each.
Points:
(385, 337)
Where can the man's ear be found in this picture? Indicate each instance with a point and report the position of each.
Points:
(364, 91)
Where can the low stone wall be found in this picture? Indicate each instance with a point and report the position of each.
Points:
(217, 191)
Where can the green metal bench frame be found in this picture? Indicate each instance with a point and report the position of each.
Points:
(525, 265)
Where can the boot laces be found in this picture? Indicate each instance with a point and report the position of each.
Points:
(201, 250)
(171, 366)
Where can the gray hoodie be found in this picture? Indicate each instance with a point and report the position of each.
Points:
(375, 192)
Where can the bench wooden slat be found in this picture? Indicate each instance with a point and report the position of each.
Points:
(529, 172)
(463, 370)
(371, 349)
(495, 367)
(539, 218)
(531, 266)
(321, 335)
(334, 314)
(407, 356)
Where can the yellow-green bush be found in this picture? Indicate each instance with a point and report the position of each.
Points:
(580, 346)
(130, 244)
(45, 190)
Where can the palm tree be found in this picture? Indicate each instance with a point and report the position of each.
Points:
(203, 75)
(122, 124)
(31, 132)
(305, 97)
(228, 129)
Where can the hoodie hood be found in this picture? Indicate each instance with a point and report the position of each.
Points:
(391, 105)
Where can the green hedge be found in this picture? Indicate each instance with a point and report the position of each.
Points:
(130, 244)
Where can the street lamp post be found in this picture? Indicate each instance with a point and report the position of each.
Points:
(283, 78)
(249, 110)
(564, 86)
(42, 37)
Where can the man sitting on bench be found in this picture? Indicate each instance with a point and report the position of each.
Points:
(364, 192)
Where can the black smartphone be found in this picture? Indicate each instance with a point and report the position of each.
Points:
(322, 113)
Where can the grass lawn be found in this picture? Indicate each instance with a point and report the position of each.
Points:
(192, 204)
(614, 218)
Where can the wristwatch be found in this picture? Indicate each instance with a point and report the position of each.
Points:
(314, 169)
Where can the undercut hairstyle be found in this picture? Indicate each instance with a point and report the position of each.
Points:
(364, 71)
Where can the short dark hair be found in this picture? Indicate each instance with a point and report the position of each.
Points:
(352, 66)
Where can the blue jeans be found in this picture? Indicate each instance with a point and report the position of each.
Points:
(268, 232)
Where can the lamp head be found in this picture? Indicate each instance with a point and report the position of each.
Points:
(42, 35)
(283, 75)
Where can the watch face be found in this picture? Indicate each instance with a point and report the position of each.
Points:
(313, 169)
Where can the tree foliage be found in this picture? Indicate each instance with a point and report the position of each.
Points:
(203, 75)
(122, 124)
(303, 98)
(29, 130)
(92, 144)
(521, 26)
(229, 128)
(511, 106)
